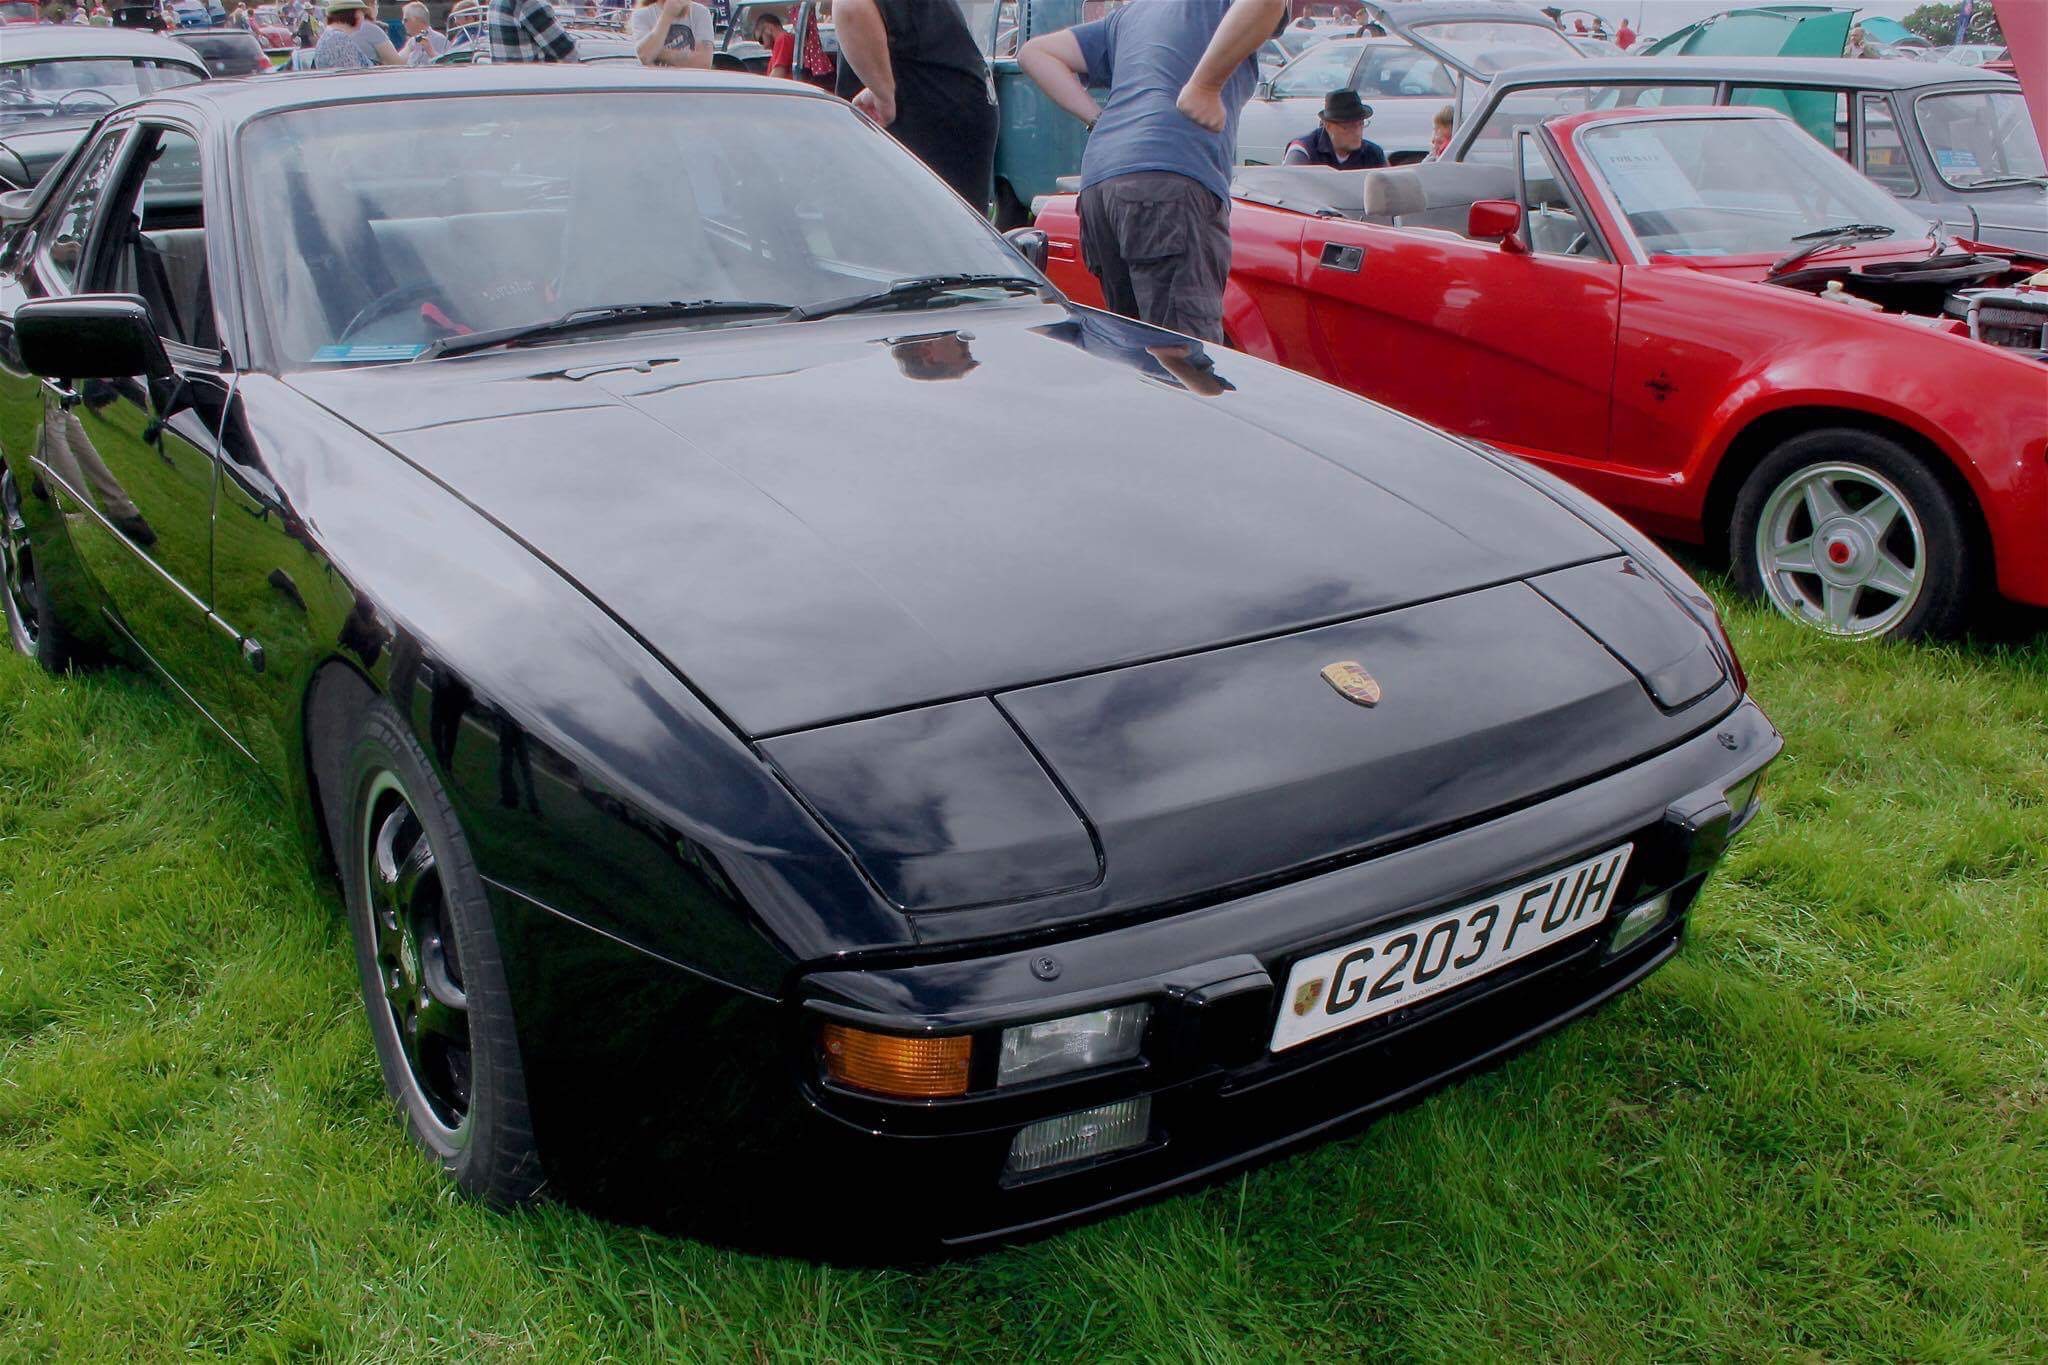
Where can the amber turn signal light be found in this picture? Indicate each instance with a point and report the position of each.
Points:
(892, 1064)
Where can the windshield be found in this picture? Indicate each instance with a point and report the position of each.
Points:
(1733, 187)
(1493, 141)
(1492, 45)
(73, 87)
(1316, 72)
(369, 247)
(1977, 135)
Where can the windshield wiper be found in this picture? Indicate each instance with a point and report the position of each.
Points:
(1996, 182)
(919, 287)
(1827, 238)
(584, 319)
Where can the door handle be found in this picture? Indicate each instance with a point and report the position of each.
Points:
(1337, 256)
(66, 396)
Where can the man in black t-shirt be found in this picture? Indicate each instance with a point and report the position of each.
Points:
(926, 81)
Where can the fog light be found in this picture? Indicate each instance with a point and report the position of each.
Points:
(1743, 799)
(1076, 1137)
(1640, 921)
(892, 1064)
(1032, 1052)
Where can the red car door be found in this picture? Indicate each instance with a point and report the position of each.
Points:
(1515, 348)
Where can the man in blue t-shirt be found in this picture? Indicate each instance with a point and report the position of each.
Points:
(1155, 178)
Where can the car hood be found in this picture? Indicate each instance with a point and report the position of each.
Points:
(820, 521)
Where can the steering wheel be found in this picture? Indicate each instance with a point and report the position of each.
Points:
(389, 302)
(63, 105)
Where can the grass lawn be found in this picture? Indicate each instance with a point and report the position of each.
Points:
(1822, 1133)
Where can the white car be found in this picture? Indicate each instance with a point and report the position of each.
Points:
(1404, 85)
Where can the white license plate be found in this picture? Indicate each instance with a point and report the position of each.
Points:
(1438, 953)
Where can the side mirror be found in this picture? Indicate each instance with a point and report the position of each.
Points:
(90, 336)
(1497, 220)
(1031, 243)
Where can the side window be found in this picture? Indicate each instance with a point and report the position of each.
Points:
(1555, 228)
(158, 239)
(1884, 152)
(1823, 113)
(72, 226)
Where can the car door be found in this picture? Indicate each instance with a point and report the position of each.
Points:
(1515, 347)
(132, 459)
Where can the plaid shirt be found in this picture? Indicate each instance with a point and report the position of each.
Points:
(526, 31)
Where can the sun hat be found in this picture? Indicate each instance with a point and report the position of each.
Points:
(342, 6)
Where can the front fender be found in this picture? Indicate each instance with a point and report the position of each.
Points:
(588, 776)
(1984, 412)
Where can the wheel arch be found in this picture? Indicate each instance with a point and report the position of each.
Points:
(334, 699)
(1765, 432)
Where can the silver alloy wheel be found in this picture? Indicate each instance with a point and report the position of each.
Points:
(20, 593)
(1839, 548)
(419, 970)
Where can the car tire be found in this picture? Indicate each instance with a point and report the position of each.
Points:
(428, 960)
(32, 625)
(1009, 210)
(1848, 532)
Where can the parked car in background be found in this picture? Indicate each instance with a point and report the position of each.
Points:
(1436, 52)
(1595, 47)
(866, 843)
(1952, 142)
(15, 12)
(1701, 318)
(267, 23)
(1404, 85)
(593, 46)
(1970, 54)
(226, 51)
(57, 79)
(198, 13)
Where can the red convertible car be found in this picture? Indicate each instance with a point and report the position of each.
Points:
(1699, 316)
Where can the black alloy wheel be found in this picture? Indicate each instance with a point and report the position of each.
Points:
(31, 626)
(431, 976)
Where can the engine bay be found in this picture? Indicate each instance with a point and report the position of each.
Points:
(1993, 299)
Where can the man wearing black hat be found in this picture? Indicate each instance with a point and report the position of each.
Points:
(1340, 141)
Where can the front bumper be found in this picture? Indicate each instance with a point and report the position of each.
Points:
(663, 1096)
(1219, 1098)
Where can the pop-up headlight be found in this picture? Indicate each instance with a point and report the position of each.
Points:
(1078, 1042)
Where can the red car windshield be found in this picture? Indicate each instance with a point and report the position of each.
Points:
(1733, 187)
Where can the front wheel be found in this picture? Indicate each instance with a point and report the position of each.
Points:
(1847, 532)
(427, 954)
(32, 625)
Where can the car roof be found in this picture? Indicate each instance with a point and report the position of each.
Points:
(48, 42)
(244, 99)
(1853, 73)
(1437, 11)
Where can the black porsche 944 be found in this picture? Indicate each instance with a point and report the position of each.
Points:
(806, 718)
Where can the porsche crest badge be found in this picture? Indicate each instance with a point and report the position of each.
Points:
(1306, 995)
(1351, 679)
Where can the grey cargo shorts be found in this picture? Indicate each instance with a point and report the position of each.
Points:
(1160, 245)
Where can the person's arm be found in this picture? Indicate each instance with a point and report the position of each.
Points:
(380, 43)
(699, 53)
(1056, 65)
(782, 57)
(1297, 155)
(1237, 38)
(648, 49)
(539, 18)
(864, 43)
